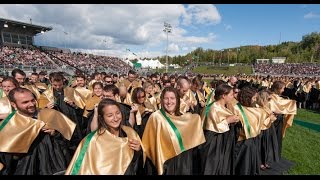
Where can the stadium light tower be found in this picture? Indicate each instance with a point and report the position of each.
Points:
(167, 29)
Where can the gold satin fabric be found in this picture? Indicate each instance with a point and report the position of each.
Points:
(1, 166)
(84, 93)
(216, 120)
(287, 107)
(201, 97)
(33, 89)
(21, 131)
(58, 121)
(136, 83)
(71, 95)
(18, 135)
(40, 85)
(127, 100)
(90, 104)
(147, 106)
(153, 102)
(256, 117)
(107, 154)
(160, 141)
(5, 106)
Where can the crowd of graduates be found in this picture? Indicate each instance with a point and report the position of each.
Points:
(160, 124)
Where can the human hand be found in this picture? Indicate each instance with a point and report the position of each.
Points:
(134, 144)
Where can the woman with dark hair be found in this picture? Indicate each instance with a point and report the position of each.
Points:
(285, 109)
(170, 137)
(220, 132)
(94, 155)
(145, 108)
(247, 152)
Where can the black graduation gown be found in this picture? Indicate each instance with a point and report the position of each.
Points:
(247, 156)
(178, 165)
(269, 146)
(46, 156)
(70, 112)
(217, 153)
(278, 124)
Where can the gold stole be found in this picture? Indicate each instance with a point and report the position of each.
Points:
(40, 85)
(19, 133)
(133, 85)
(189, 95)
(127, 100)
(200, 96)
(90, 104)
(84, 93)
(107, 154)
(33, 89)
(5, 106)
(69, 94)
(183, 106)
(91, 83)
(160, 141)
(58, 121)
(153, 103)
(216, 120)
(141, 109)
(252, 127)
(287, 107)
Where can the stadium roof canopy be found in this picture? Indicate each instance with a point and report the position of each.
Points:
(22, 26)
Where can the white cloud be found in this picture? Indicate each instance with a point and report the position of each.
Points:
(185, 48)
(173, 48)
(113, 28)
(311, 15)
(201, 14)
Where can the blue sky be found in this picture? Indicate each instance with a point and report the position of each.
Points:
(111, 29)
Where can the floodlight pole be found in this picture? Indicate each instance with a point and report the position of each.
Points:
(167, 29)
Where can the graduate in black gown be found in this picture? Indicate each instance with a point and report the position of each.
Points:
(63, 100)
(220, 131)
(98, 157)
(269, 143)
(285, 110)
(28, 138)
(169, 138)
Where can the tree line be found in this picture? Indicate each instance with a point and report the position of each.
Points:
(305, 51)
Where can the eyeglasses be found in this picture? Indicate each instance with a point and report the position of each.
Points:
(140, 97)
(109, 81)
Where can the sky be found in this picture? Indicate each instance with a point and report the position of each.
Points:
(136, 30)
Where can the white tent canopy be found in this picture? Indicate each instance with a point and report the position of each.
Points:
(153, 64)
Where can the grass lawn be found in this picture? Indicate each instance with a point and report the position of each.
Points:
(302, 145)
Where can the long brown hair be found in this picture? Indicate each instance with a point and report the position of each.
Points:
(101, 123)
(175, 91)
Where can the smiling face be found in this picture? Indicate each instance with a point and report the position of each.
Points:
(7, 86)
(170, 102)
(25, 103)
(112, 116)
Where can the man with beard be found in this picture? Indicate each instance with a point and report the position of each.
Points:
(32, 147)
